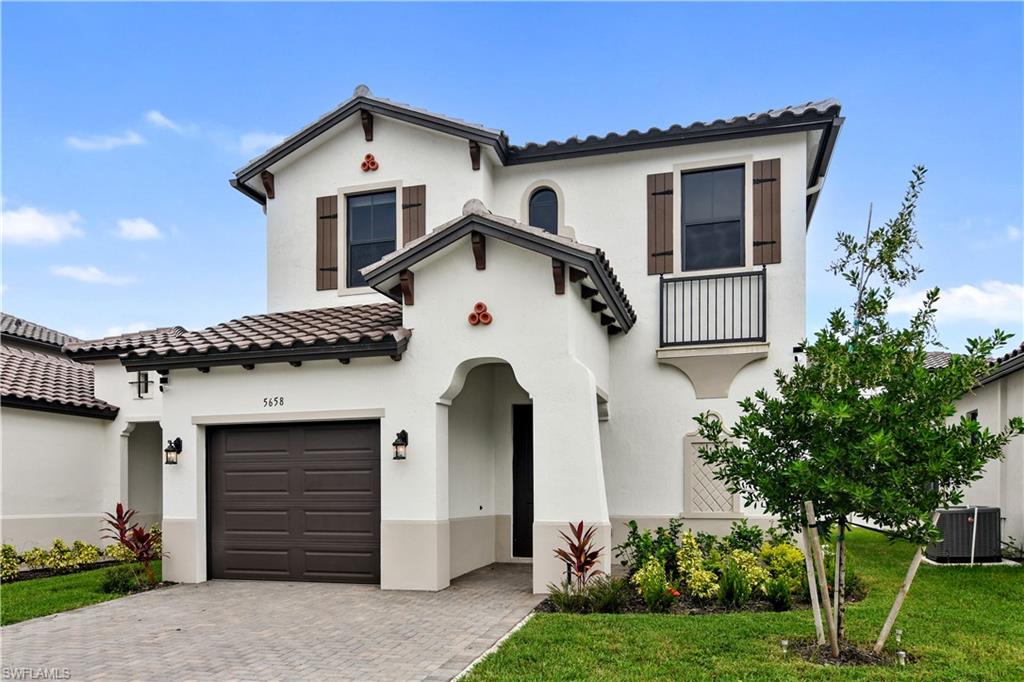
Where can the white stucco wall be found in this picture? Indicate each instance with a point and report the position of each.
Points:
(54, 482)
(1002, 484)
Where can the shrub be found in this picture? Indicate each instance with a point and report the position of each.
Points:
(60, 558)
(9, 562)
(746, 537)
(120, 579)
(640, 547)
(607, 594)
(119, 552)
(784, 561)
(689, 557)
(756, 575)
(652, 586)
(779, 594)
(144, 545)
(36, 557)
(702, 585)
(734, 589)
(158, 539)
(778, 536)
(85, 553)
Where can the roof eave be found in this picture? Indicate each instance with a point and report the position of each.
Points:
(39, 405)
(821, 164)
(392, 347)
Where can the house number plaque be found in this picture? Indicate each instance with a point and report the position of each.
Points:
(274, 401)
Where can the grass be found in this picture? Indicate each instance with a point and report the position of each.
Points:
(960, 623)
(22, 600)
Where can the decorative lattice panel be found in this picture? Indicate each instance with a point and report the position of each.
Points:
(707, 494)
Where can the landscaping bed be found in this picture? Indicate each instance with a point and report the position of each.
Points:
(957, 623)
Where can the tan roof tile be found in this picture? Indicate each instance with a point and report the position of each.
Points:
(44, 381)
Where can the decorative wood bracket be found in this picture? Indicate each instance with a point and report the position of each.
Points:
(267, 178)
(405, 281)
(295, 363)
(474, 154)
(614, 329)
(204, 370)
(344, 361)
(249, 368)
(606, 319)
(597, 306)
(367, 118)
(587, 292)
(576, 275)
(479, 250)
(558, 272)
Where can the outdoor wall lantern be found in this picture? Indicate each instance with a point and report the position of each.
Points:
(401, 442)
(172, 451)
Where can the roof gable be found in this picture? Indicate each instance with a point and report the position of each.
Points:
(32, 333)
(586, 264)
(50, 383)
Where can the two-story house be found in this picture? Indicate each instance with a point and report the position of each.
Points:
(470, 343)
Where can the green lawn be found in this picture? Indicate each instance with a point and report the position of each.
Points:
(961, 623)
(26, 599)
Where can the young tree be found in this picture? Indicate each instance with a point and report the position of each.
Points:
(863, 429)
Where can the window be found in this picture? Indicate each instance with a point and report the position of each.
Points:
(712, 219)
(544, 209)
(370, 228)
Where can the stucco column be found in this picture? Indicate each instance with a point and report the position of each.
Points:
(568, 478)
(184, 502)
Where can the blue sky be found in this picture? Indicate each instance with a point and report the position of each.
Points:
(122, 124)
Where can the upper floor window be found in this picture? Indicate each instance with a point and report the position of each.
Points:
(712, 219)
(370, 228)
(544, 209)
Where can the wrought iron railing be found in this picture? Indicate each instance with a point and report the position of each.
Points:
(725, 308)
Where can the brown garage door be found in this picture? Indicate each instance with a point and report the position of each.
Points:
(295, 502)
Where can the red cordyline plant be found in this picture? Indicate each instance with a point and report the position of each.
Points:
(141, 542)
(580, 558)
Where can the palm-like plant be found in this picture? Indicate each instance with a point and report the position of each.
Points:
(580, 558)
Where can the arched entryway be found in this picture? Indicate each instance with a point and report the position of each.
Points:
(490, 469)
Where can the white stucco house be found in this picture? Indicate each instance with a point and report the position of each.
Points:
(470, 343)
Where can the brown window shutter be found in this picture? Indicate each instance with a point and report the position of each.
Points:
(767, 212)
(414, 212)
(327, 242)
(659, 223)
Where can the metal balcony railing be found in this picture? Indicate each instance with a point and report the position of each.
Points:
(725, 308)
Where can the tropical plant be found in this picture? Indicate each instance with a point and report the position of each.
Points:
(863, 428)
(35, 558)
(9, 563)
(566, 597)
(640, 546)
(744, 536)
(784, 561)
(701, 585)
(580, 557)
(119, 552)
(734, 589)
(84, 553)
(779, 594)
(142, 543)
(757, 576)
(60, 558)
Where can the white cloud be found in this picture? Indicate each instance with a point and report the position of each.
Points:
(1013, 233)
(138, 229)
(160, 121)
(994, 302)
(256, 142)
(128, 328)
(90, 274)
(104, 143)
(27, 225)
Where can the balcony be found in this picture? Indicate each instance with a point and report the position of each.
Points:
(712, 326)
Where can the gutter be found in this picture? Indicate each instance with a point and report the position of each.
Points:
(61, 408)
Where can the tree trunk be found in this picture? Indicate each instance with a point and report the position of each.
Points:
(812, 588)
(840, 584)
(902, 594)
(819, 563)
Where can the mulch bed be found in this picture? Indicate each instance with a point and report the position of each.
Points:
(849, 654)
(683, 607)
(34, 573)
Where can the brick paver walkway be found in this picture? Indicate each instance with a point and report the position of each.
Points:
(251, 630)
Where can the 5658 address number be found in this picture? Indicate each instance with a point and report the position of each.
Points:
(274, 401)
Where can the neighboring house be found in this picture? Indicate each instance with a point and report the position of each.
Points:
(60, 473)
(998, 397)
(538, 324)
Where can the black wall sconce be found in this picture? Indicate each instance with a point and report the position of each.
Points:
(400, 444)
(172, 451)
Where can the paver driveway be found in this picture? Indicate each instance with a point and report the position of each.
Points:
(276, 630)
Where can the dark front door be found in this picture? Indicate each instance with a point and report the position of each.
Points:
(295, 501)
(522, 480)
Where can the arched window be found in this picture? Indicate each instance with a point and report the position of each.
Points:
(544, 209)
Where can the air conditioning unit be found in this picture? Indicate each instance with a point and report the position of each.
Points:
(968, 533)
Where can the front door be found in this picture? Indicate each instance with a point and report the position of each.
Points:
(522, 480)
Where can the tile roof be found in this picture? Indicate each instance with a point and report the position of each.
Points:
(30, 331)
(112, 346)
(771, 118)
(936, 359)
(49, 382)
(1006, 357)
(526, 236)
(373, 329)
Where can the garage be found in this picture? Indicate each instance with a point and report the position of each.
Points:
(295, 501)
